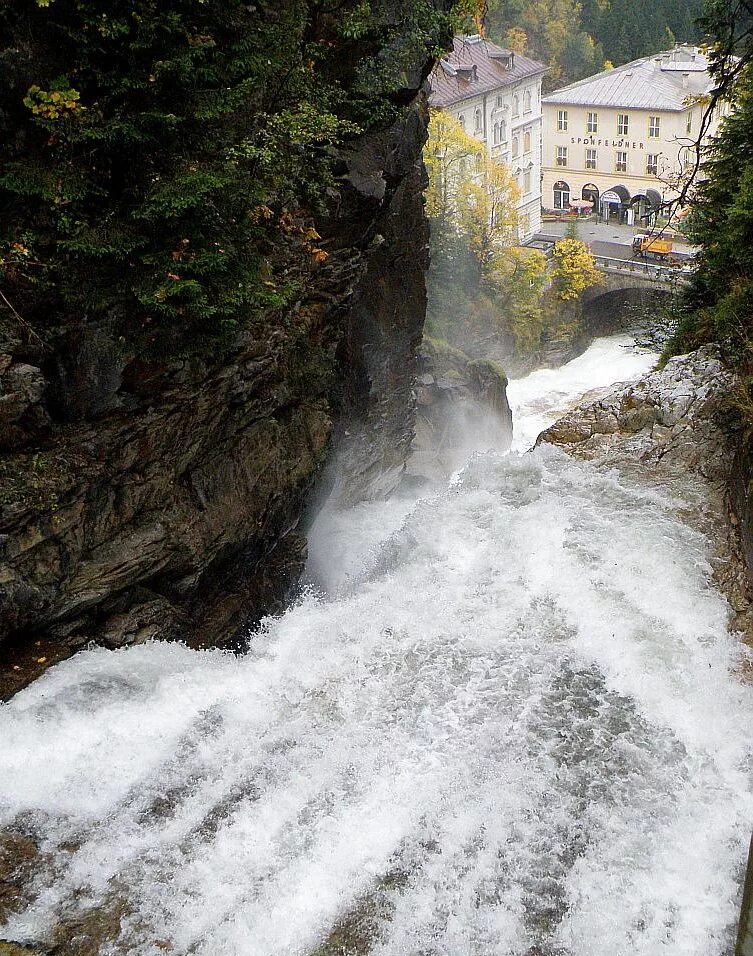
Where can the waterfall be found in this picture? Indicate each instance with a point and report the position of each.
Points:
(506, 720)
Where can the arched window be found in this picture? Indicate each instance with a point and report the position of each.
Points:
(527, 142)
(477, 121)
(516, 105)
(527, 102)
(515, 146)
(590, 193)
(461, 120)
(502, 131)
(561, 195)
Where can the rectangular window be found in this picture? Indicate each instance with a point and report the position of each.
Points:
(590, 159)
(689, 124)
(562, 155)
(562, 121)
(653, 127)
(652, 164)
(592, 125)
(620, 161)
(622, 124)
(527, 182)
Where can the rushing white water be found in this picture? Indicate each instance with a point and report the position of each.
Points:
(513, 722)
(542, 397)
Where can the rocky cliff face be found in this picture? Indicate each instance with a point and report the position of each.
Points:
(673, 416)
(462, 407)
(144, 499)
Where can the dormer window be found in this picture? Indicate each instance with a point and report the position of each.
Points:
(469, 74)
(506, 58)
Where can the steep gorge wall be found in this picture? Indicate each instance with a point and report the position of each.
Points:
(142, 500)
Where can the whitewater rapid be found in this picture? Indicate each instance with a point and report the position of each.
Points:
(539, 399)
(508, 718)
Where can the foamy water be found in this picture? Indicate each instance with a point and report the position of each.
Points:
(509, 722)
(539, 399)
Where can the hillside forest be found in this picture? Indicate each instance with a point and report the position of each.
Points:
(576, 38)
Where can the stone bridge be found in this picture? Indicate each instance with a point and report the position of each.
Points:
(623, 274)
(633, 294)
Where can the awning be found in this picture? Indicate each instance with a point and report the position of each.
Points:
(617, 194)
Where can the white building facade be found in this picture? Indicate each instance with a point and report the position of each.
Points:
(496, 96)
(625, 138)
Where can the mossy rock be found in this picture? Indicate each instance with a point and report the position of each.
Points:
(484, 370)
(442, 357)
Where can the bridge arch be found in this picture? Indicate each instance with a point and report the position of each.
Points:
(625, 308)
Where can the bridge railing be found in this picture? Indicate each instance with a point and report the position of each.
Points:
(655, 271)
(635, 267)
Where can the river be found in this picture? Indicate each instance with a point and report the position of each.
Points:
(503, 719)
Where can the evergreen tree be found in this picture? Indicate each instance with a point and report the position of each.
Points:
(575, 37)
(721, 299)
(159, 158)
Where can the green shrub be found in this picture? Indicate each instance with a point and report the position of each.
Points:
(160, 159)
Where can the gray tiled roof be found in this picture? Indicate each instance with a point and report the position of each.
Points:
(452, 82)
(660, 82)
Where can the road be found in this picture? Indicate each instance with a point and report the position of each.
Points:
(605, 239)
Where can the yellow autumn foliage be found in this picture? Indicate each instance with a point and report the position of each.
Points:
(449, 155)
(574, 269)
